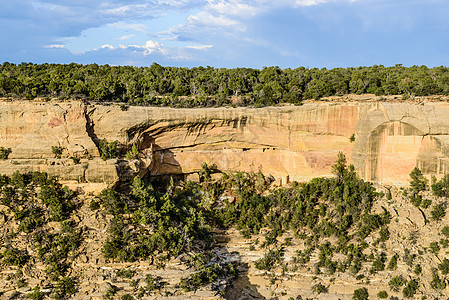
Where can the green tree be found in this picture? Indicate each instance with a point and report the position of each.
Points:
(418, 182)
(360, 294)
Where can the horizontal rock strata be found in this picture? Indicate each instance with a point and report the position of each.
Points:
(290, 143)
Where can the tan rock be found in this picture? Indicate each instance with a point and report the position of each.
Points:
(290, 143)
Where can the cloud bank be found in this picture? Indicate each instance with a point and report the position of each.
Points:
(227, 33)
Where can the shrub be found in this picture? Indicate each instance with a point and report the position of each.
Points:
(94, 205)
(125, 273)
(379, 263)
(434, 247)
(437, 283)
(319, 288)
(269, 260)
(21, 283)
(441, 188)
(393, 263)
(384, 234)
(107, 149)
(360, 294)
(65, 287)
(15, 257)
(426, 203)
(133, 152)
(438, 211)
(418, 269)
(154, 283)
(382, 295)
(76, 160)
(57, 151)
(396, 282)
(111, 201)
(444, 266)
(208, 275)
(445, 231)
(36, 294)
(418, 182)
(4, 152)
(410, 289)
(110, 293)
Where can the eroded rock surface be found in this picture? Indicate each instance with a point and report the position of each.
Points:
(290, 143)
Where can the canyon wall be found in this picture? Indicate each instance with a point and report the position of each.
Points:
(289, 143)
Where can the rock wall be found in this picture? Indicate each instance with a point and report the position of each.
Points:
(290, 143)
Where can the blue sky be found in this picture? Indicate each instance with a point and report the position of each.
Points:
(226, 33)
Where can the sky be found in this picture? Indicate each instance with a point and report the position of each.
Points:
(226, 33)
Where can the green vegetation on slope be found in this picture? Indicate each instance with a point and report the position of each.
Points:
(199, 87)
(331, 218)
(37, 200)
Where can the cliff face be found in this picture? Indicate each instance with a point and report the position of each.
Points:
(290, 143)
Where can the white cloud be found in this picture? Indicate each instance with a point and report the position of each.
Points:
(125, 37)
(107, 46)
(310, 2)
(149, 47)
(233, 7)
(200, 47)
(132, 26)
(137, 9)
(204, 18)
(55, 46)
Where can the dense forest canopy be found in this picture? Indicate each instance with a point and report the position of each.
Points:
(206, 86)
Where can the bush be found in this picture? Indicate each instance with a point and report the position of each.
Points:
(133, 152)
(434, 248)
(76, 160)
(379, 263)
(393, 263)
(418, 182)
(437, 283)
(15, 257)
(94, 205)
(107, 149)
(57, 151)
(396, 282)
(382, 295)
(65, 287)
(444, 266)
(360, 294)
(438, 212)
(445, 231)
(154, 283)
(125, 273)
(441, 188)
(321, 289)
(269, 260)
(208, 275)
(4, 152)
(110, 293)
(36, 294)
(418, 269)
(410, 289)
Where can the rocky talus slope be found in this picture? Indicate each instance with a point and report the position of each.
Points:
(411, 232)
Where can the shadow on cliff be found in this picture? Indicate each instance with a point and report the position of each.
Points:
(242, 288)
(164, 164)
(165, 167)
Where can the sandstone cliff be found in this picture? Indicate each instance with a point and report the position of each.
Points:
(290, 143)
